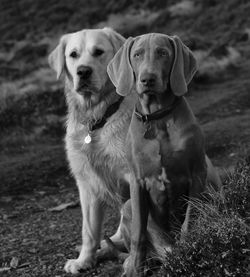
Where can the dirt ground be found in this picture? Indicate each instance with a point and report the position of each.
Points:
(39, 179)
(34, 178)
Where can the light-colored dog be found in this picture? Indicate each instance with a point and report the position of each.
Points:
(97, 125)
(165, 144)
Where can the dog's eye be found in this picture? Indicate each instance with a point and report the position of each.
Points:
(73, 54)
(137, 55)
(162, 52)
(98, 52)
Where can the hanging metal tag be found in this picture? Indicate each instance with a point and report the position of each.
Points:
(88, 139)
(149, 131)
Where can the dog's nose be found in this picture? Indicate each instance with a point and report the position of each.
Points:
(84, 71)
(148, 79)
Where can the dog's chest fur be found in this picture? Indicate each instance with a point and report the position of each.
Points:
(101, 163)
(170, 143)
(149, 154)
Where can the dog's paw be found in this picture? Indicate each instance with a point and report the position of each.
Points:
(76, 266)
(132, 269)
(103, 244)
(129, 269)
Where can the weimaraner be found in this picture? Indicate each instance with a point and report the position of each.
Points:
(165, 144)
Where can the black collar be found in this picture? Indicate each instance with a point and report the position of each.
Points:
(110, 111)
(158, 114)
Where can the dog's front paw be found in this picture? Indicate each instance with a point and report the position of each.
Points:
(129, 268)
(76, 266)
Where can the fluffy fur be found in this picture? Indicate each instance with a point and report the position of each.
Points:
(99, 167)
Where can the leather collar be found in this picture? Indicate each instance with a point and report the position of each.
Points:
(145, 118)
(110, 111)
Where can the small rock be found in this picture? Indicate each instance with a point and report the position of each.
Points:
(60, 255)
(32, 250)
(42, 193)
(5, 217)
(14, 262)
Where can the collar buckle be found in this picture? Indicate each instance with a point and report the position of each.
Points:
(142, 117)
(145, 118)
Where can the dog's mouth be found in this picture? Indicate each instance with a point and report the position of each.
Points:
(85, 90)
(149, 92)
(151, 101)
(148, 98)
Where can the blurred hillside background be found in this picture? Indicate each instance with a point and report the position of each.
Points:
(33, 169)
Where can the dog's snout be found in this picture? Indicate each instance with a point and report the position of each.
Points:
(148, 79)
(84, 71)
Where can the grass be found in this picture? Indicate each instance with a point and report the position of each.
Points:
(32, 109)
(219, 242)
(9, 92)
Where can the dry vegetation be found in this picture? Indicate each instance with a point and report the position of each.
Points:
(218, 244)
(33, 169)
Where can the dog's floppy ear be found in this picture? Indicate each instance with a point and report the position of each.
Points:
(120, 70)
(184, 67)
(57, 57)
(116, 39)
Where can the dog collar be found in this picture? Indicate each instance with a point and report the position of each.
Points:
(145, 118)
(101, 122)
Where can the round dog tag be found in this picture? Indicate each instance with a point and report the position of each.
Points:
(87, 139)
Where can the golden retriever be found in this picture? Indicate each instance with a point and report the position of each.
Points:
(97, 124)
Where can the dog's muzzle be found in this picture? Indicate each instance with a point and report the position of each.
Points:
(148, 80)
(84, 86)
(84, 72)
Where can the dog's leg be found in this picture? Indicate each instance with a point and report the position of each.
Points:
(186, 223)
(119, 244)
(134, 264)
(212, 175)
(116, 238)
(197, 187)
(114, 247)
(214, 179)
(92, 216)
